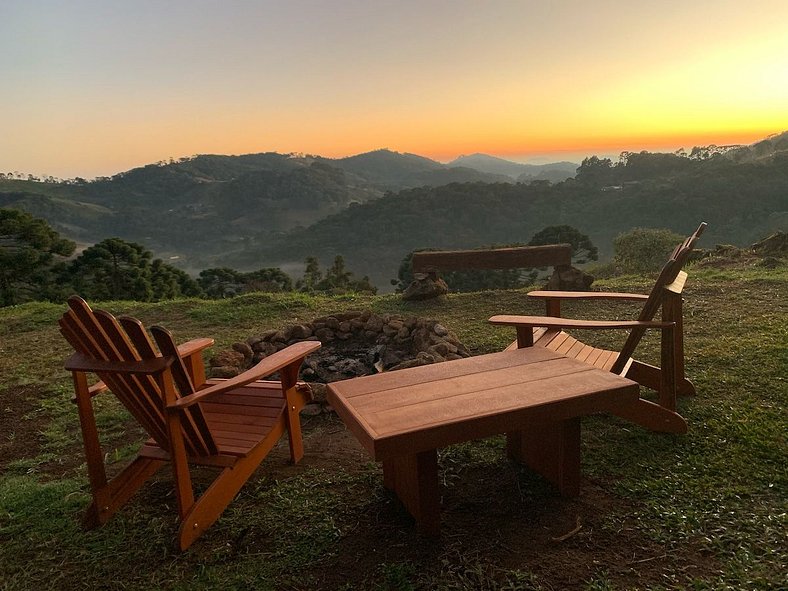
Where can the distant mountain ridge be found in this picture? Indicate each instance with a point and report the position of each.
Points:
(553, 172)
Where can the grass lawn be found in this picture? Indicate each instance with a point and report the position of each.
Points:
(706, 510)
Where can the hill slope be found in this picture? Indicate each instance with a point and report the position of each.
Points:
(741, 201)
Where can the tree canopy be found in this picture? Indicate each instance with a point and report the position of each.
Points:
(583, 250)
(29, 251)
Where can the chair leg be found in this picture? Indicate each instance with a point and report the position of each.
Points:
(672, 311)
(652, 417)
(210, 505)
(119, 490)
(295, 401)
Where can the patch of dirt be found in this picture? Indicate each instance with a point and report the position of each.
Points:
(20, 424)
(502, 516)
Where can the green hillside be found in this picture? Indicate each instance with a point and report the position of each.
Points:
(742, 198)
(202, 207)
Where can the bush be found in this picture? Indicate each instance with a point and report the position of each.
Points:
(644, 250)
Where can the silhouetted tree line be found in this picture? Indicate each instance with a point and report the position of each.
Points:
(34, 265)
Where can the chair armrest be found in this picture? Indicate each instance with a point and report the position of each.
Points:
(552, 322)
(78, 362)
(295, 353)
(194, 346)
(586, 295)
(184, 350)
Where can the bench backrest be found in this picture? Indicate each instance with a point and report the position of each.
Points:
(493, 258)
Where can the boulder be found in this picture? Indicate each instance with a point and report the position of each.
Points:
(568, 278)
(425, 287)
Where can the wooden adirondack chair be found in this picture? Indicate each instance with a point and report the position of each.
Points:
(228, 424)
(668, 380)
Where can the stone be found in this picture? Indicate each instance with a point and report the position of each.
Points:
(318, 391)
(224, 371)
(424, 355)
(268, 335)
(325, 335)
(228, 358)
(568, 278)
(440, 330)
(374, 324)
(344, 336)
(254, 341)
(332, 323)
(244, 350)
(403, 333)
(357, 324)
(312, 409)
(345, 326)
(410, 363)
(391, 357)
(370, 335)
(299, 332)
(278, 337)
(775, 245)
(441, 349)
(425, 289)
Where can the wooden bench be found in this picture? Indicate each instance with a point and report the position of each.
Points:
(550, 255)
(534, 395)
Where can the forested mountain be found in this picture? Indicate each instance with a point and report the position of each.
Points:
(272, 209)
(743, 194)
(198, 208)
(553, 172)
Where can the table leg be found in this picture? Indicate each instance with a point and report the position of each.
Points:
(414, 479)
(552, 449)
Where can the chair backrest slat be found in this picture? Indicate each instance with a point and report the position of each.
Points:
(670, 271)
(84, 340)
(197, 437)
(99, 335)
(198, 427)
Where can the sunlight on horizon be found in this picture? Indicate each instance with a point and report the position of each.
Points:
(103, 89)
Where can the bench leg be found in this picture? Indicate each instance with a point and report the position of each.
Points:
(551, 449)
(414, 479)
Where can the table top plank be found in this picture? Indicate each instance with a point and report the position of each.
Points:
(440, 371)
(486, 379)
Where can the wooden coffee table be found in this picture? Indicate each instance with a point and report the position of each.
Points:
(533, 395)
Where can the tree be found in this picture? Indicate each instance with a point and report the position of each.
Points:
(113, 269)
(224, 282)
(583, 250)
(268, 279)
(336, 280)
(596, 171)
(221, 282)
(643, 250)
(168, 282)
(312, 276)
(29, 248)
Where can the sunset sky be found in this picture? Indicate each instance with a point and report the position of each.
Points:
(94, 88)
